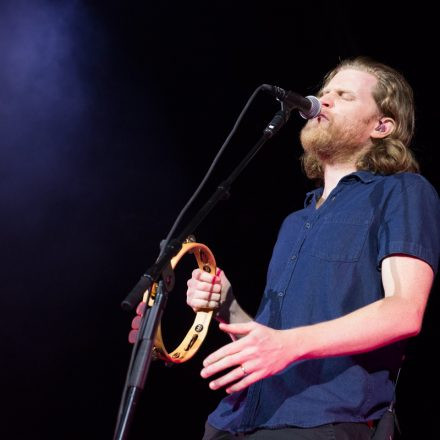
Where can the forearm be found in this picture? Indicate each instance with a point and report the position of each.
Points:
(231, 312)
(263, 351)
(380, 323)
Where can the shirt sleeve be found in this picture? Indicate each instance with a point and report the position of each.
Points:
(411, 222)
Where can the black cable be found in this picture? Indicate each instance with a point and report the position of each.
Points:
(174, 227)
(211, 168)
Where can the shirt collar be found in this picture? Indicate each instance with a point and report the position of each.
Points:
(357, 176)
(363, 176)
(311, 194)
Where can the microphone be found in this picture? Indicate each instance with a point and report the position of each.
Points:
(309, 107)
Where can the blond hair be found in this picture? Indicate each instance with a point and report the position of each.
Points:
(394, 99)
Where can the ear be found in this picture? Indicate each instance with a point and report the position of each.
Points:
(383, 128)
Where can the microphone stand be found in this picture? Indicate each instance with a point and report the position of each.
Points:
(141, 358)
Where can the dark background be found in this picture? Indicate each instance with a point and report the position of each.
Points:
(110, 114)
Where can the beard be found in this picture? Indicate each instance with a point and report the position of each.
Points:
(333, 143)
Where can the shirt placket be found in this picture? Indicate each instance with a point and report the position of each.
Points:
(254, 391)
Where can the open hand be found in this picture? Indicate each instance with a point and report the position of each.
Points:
(260, 352)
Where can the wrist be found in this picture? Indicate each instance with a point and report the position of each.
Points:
(297, 343)
(225, 311)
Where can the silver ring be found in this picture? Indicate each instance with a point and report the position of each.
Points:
(244, 370)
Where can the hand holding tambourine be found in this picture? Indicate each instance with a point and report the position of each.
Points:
(203, 295)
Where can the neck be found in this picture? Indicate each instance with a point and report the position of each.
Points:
(333, 174)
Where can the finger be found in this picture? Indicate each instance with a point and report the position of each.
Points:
(237, 329)
(213, 287)
(244, 383)
(212, 297)
(204, 296)
(203, 304)
(227, 350)
(132, 336)
(204, 286)
(201, 275)
(140, 308)
(232, 376)
(224, 363)
(136, 322)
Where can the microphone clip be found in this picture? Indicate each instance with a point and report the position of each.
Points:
(280, 118)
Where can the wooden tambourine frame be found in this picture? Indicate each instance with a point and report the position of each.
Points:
(197, 333)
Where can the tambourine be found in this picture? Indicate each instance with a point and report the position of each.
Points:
(197, 332)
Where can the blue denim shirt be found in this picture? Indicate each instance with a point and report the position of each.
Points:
(327, 263)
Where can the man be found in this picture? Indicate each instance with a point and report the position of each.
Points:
(349, 276)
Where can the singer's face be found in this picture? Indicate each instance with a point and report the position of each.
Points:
(348, 115)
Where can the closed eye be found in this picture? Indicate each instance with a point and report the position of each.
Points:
(344, 94)
(347, 96)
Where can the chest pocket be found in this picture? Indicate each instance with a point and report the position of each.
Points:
(341, 236)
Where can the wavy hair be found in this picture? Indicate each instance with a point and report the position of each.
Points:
(394, 98)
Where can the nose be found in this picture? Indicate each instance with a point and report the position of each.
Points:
(327, 100)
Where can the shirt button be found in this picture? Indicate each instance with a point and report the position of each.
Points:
(307, 225)
(280, 293)
(293, 257)
(333, 198)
